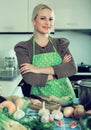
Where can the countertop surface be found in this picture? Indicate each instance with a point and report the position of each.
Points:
(8, 87)
(84, 73)
(66, 125)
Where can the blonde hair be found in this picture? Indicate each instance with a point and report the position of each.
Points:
(38, 8)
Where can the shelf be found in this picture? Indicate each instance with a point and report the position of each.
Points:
(80, 76)
(83, 74)
(87, 31)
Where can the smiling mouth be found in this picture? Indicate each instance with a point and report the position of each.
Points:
(46, 28)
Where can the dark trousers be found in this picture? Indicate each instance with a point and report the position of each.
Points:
(26, 88)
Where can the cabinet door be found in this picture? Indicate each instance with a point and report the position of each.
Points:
(32, 4)
(73, 14)
(13, 15)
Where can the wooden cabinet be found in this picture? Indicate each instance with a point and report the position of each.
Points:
(73, 14)
(13, 15)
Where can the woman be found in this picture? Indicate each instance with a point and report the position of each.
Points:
(45, 62)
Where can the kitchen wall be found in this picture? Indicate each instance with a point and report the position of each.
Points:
(80, 44)
(7, 43)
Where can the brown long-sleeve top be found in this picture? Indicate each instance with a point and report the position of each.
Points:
(24, 53)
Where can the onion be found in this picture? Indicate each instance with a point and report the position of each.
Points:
(88, 112)
(68, 111)
(79, 111)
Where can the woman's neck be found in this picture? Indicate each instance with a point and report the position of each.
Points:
(41, 40)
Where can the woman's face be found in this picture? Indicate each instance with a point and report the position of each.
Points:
(44, 22)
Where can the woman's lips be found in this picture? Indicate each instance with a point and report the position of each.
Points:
(46, 27)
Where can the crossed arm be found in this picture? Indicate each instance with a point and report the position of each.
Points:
(26, 68)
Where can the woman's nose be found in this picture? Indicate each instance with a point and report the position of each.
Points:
(47, 22)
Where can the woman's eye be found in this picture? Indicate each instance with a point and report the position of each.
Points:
(51, 19)
(42, 18)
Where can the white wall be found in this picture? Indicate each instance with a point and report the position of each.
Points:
(7, 43)
(80, 44)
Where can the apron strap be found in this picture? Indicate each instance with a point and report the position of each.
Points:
(50, 42)
(50, 39)
(33, 47)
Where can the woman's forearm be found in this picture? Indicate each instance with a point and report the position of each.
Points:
(26, 68)
(50, 70)
(46, 70)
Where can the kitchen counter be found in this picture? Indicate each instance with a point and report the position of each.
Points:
(8, 87)
(80, 75)
(65, 122)
(85, 73)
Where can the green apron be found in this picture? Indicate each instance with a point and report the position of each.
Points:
(57, 87)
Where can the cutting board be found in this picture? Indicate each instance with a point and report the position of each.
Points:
(49, 106)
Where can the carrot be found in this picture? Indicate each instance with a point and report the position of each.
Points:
(22, 103)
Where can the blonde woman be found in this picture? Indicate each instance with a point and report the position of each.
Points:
(45, 62)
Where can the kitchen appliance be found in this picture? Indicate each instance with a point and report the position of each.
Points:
(8, 74)
(9, 62)
(10, 69)
(84, 67)
(84, 92)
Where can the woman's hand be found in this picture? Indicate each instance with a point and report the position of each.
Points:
(26, 68)
(50, 77)
(66, 58)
